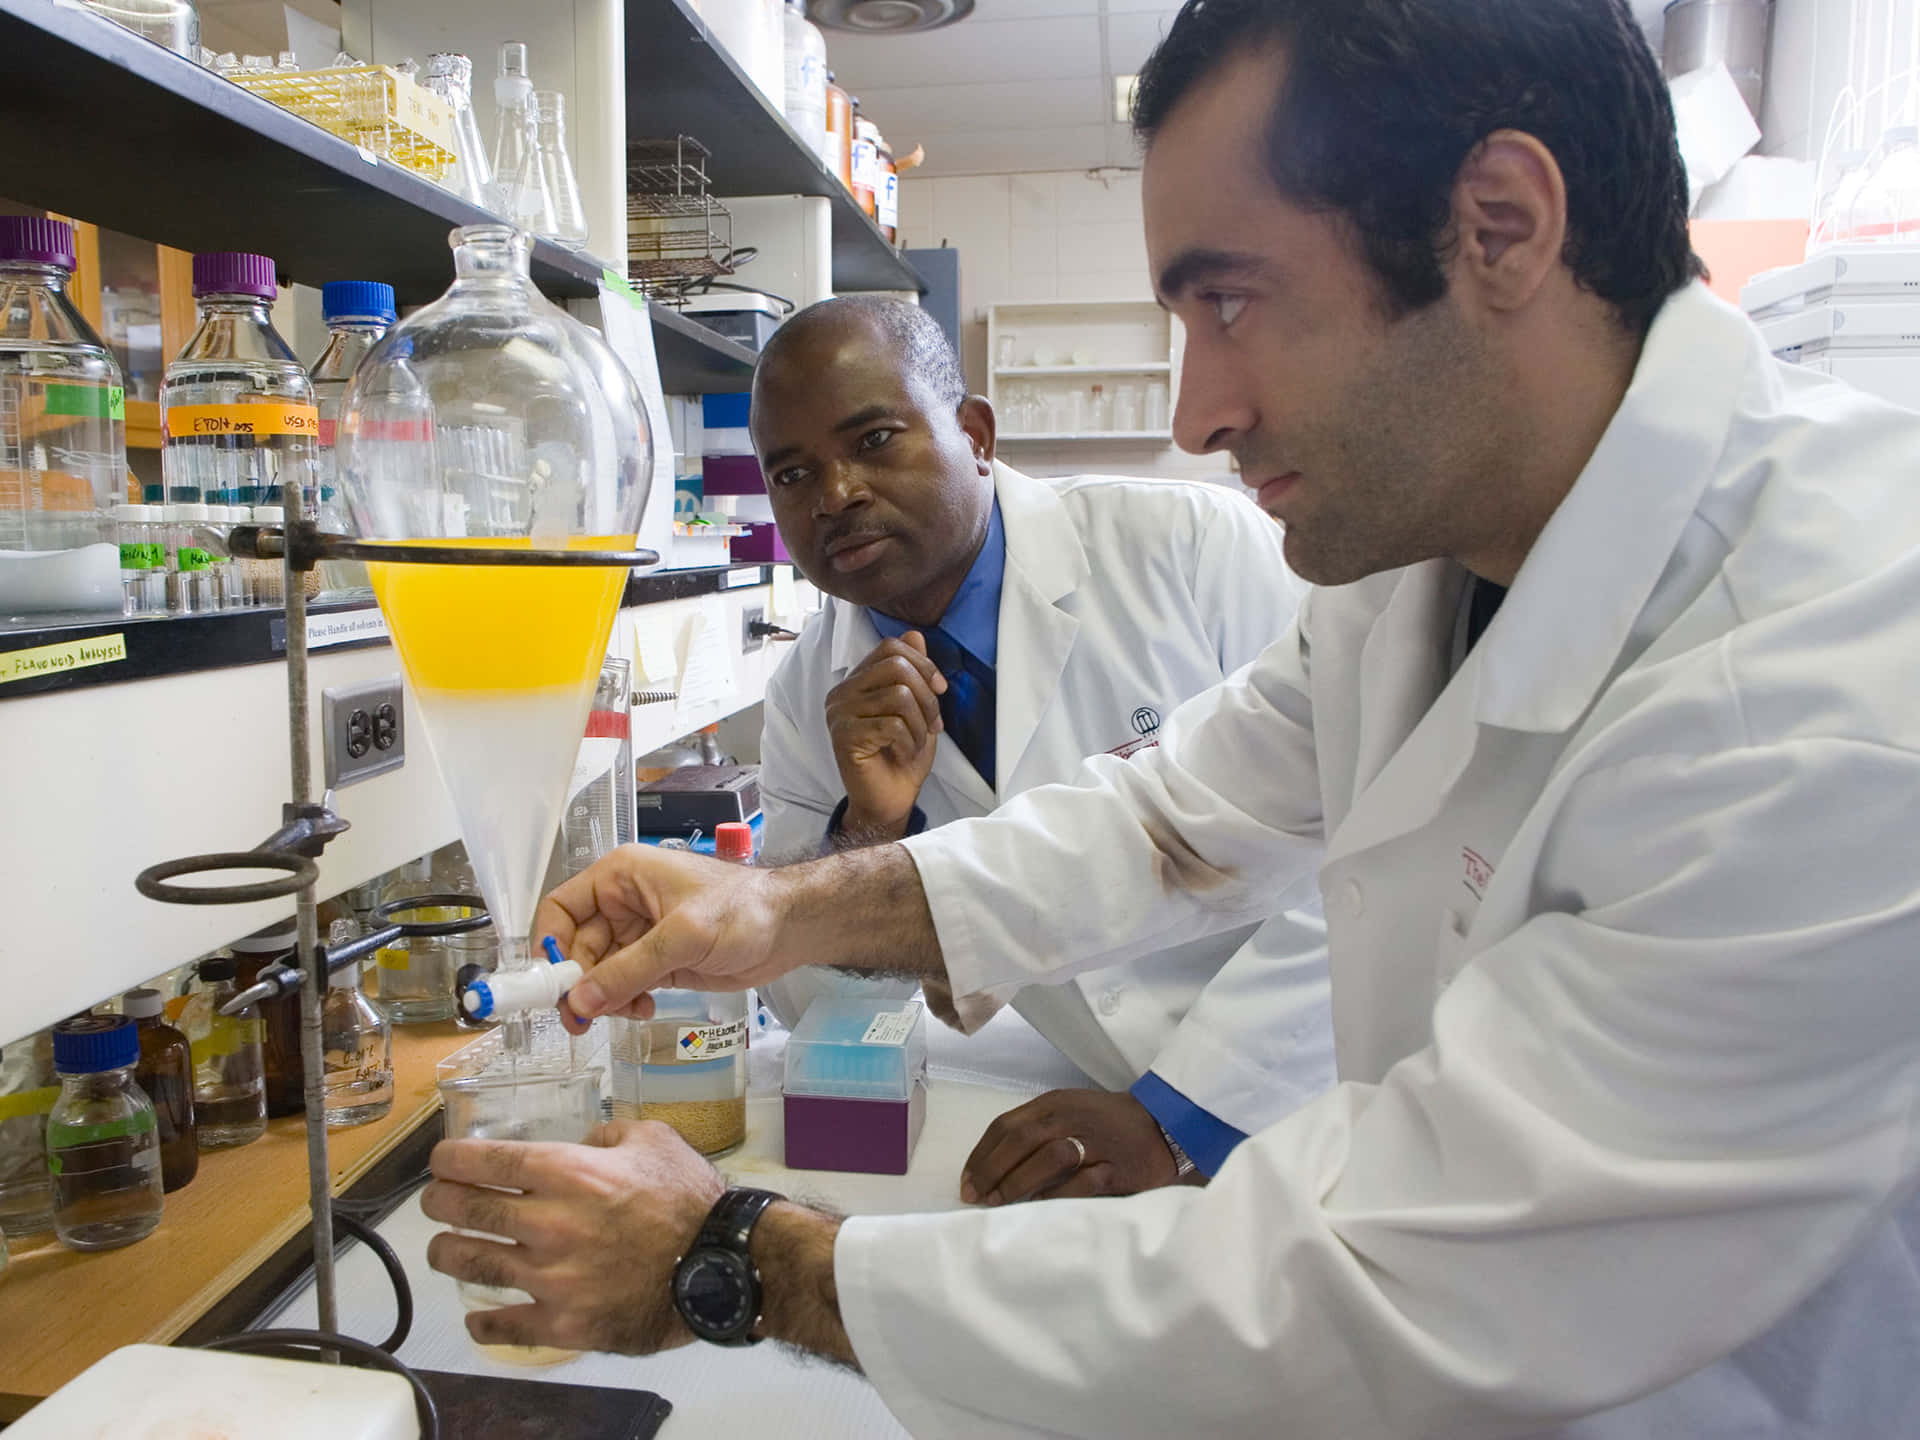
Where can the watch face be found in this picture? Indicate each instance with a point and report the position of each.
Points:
(714, 1294)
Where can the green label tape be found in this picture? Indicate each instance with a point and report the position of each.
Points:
(100, 402)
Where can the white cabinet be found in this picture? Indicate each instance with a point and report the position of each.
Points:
(1070, 370)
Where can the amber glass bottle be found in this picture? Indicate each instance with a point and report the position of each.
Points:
(165, 1072)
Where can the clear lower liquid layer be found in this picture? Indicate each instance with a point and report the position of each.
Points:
(107, 1192)
(355, 1099)
(503, 662)
(222, 1120)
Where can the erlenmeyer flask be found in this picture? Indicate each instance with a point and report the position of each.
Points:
(492, 418)
(556, 170)
(517, 176)
(450, 76)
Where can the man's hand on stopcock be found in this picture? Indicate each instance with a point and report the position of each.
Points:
(662, 918)
(884, 722)
(1028, 1153)
(595, 1229)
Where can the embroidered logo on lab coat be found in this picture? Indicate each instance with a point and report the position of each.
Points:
(1478, 872)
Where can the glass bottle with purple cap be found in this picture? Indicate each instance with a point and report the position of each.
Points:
(63, 462)
(236, 406)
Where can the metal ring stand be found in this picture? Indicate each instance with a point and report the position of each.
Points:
(309, 825)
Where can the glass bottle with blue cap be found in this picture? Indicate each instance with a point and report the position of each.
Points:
(357, 314)
(103, 1139)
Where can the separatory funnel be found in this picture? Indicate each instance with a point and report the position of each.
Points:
(493, 420)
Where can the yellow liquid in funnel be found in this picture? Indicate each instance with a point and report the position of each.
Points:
(501, 627)
(503, 661)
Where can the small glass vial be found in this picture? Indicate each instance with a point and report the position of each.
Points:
(165, 1072)
(143, 559)
(359, 1051)
(103, 1141)
(229, 1075)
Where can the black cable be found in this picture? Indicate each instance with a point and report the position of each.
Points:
(390, 1262)
(374, 1206)
(292, 1345)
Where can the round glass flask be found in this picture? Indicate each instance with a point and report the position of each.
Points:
(491, 418)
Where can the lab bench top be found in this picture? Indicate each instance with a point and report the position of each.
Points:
(61, 1310)
(764, 1388)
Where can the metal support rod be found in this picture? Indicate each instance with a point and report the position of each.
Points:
(313, 995)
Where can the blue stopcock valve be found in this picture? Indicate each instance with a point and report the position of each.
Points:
(514, 992)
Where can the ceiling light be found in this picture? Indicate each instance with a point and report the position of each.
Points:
(887, 17)
(1123, 88)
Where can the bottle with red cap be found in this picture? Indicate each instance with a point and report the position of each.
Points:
(733, 840)
(237, 410)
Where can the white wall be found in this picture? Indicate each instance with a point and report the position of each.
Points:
(1818, 46)
(1050, 235)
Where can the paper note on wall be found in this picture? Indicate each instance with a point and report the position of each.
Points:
(629, 331)
(707, 681)
(655, 657)
(786, 596)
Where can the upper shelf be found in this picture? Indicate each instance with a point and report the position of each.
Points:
(100, 123)
(681, 81)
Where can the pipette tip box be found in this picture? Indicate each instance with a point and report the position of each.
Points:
(856, 1085)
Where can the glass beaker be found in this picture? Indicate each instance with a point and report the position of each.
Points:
(492, 418)
(491, 1094)
(686, 1067)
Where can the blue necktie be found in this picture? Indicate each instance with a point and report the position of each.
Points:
(967, 707)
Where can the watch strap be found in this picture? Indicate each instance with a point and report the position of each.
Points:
(729, 1224)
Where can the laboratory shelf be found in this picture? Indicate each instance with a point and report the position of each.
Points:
(243, 1208)
(41, 656)
(695, 360)
(98, 123)
(681, 81)
(1160, 437)
(37, 657)
(1148, 367)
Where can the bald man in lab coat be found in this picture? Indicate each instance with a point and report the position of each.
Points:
(986, 632)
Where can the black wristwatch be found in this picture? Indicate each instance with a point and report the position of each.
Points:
(716, 1285)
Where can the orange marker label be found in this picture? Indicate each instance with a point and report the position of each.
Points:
(184, 422)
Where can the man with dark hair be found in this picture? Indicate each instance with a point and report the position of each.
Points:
(1607, 719)
(985, 633)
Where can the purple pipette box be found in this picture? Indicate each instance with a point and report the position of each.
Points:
(856, 1092)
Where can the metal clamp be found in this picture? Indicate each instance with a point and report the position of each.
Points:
(304, 832)
(277, 980)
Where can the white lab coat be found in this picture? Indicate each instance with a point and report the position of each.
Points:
(1625, 922)
(1122, 598)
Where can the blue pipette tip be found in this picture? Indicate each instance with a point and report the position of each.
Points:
(552, 947)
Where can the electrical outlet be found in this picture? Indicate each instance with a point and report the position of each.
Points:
(363, 730)
(749, 617)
